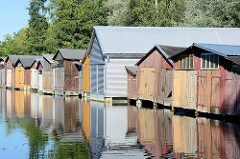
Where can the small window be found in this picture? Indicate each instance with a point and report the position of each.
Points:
(59, 63)
(186, 62)
(209, 61)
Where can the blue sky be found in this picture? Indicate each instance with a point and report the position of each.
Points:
(13, 16)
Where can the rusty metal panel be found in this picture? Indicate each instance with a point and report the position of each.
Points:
(86, 75)
(71, 82)
(185, 89)
(184, 135)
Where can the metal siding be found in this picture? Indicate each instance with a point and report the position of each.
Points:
(116, 76)
(96, 56)
(93, 79)
(101, 71)
(27, 78)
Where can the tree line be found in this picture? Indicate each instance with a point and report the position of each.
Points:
(55, 24)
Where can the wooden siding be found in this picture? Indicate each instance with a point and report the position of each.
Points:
(185, 89)
(34, 78)
(146, 84)
(59, 75)
(27, 79)
(86, 75)
(208, 91)
(47, 81)
(154, 79)
(40, 82)
(132, 87)
(165, 82)
(19, 77)
(80, 84)
(2, 75)
(71, 83)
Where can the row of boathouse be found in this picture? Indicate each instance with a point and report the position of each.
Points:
(190, 68)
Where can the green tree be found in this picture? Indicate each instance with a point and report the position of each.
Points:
(212, 13)
(8, 46)
(38, 26)
(72, 21)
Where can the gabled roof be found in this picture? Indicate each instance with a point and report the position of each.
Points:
(132, 40)
(71, 54)
(26, 62)
(48, 58)
(166, 51)
(132, 70)
(14, 58)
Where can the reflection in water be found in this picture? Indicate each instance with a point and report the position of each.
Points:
(39, 126)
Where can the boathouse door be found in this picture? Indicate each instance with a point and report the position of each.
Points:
(185, 89)
(208, 91)
(146, 85)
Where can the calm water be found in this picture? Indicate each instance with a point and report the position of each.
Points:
(38, 126)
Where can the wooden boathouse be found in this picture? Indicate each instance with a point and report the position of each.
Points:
(23, 73)
(154, 78)
(40, 75)
(86, 76)
(67, 71)
(113, 48)
(48, 74)
(2, 72)
(132, 82)
(207, 79)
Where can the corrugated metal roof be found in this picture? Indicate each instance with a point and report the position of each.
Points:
(132, 70)
(71, 54)
(223, 50)
(141, 39)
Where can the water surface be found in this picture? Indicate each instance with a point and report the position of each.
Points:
(40, 126)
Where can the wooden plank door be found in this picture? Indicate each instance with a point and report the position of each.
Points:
(177, 80)
(17, 77)
(150, 81)
(21, 77)
(142, 83)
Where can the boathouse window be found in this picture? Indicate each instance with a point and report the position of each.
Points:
(186, 62)
(209, 61)
(59, 63)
